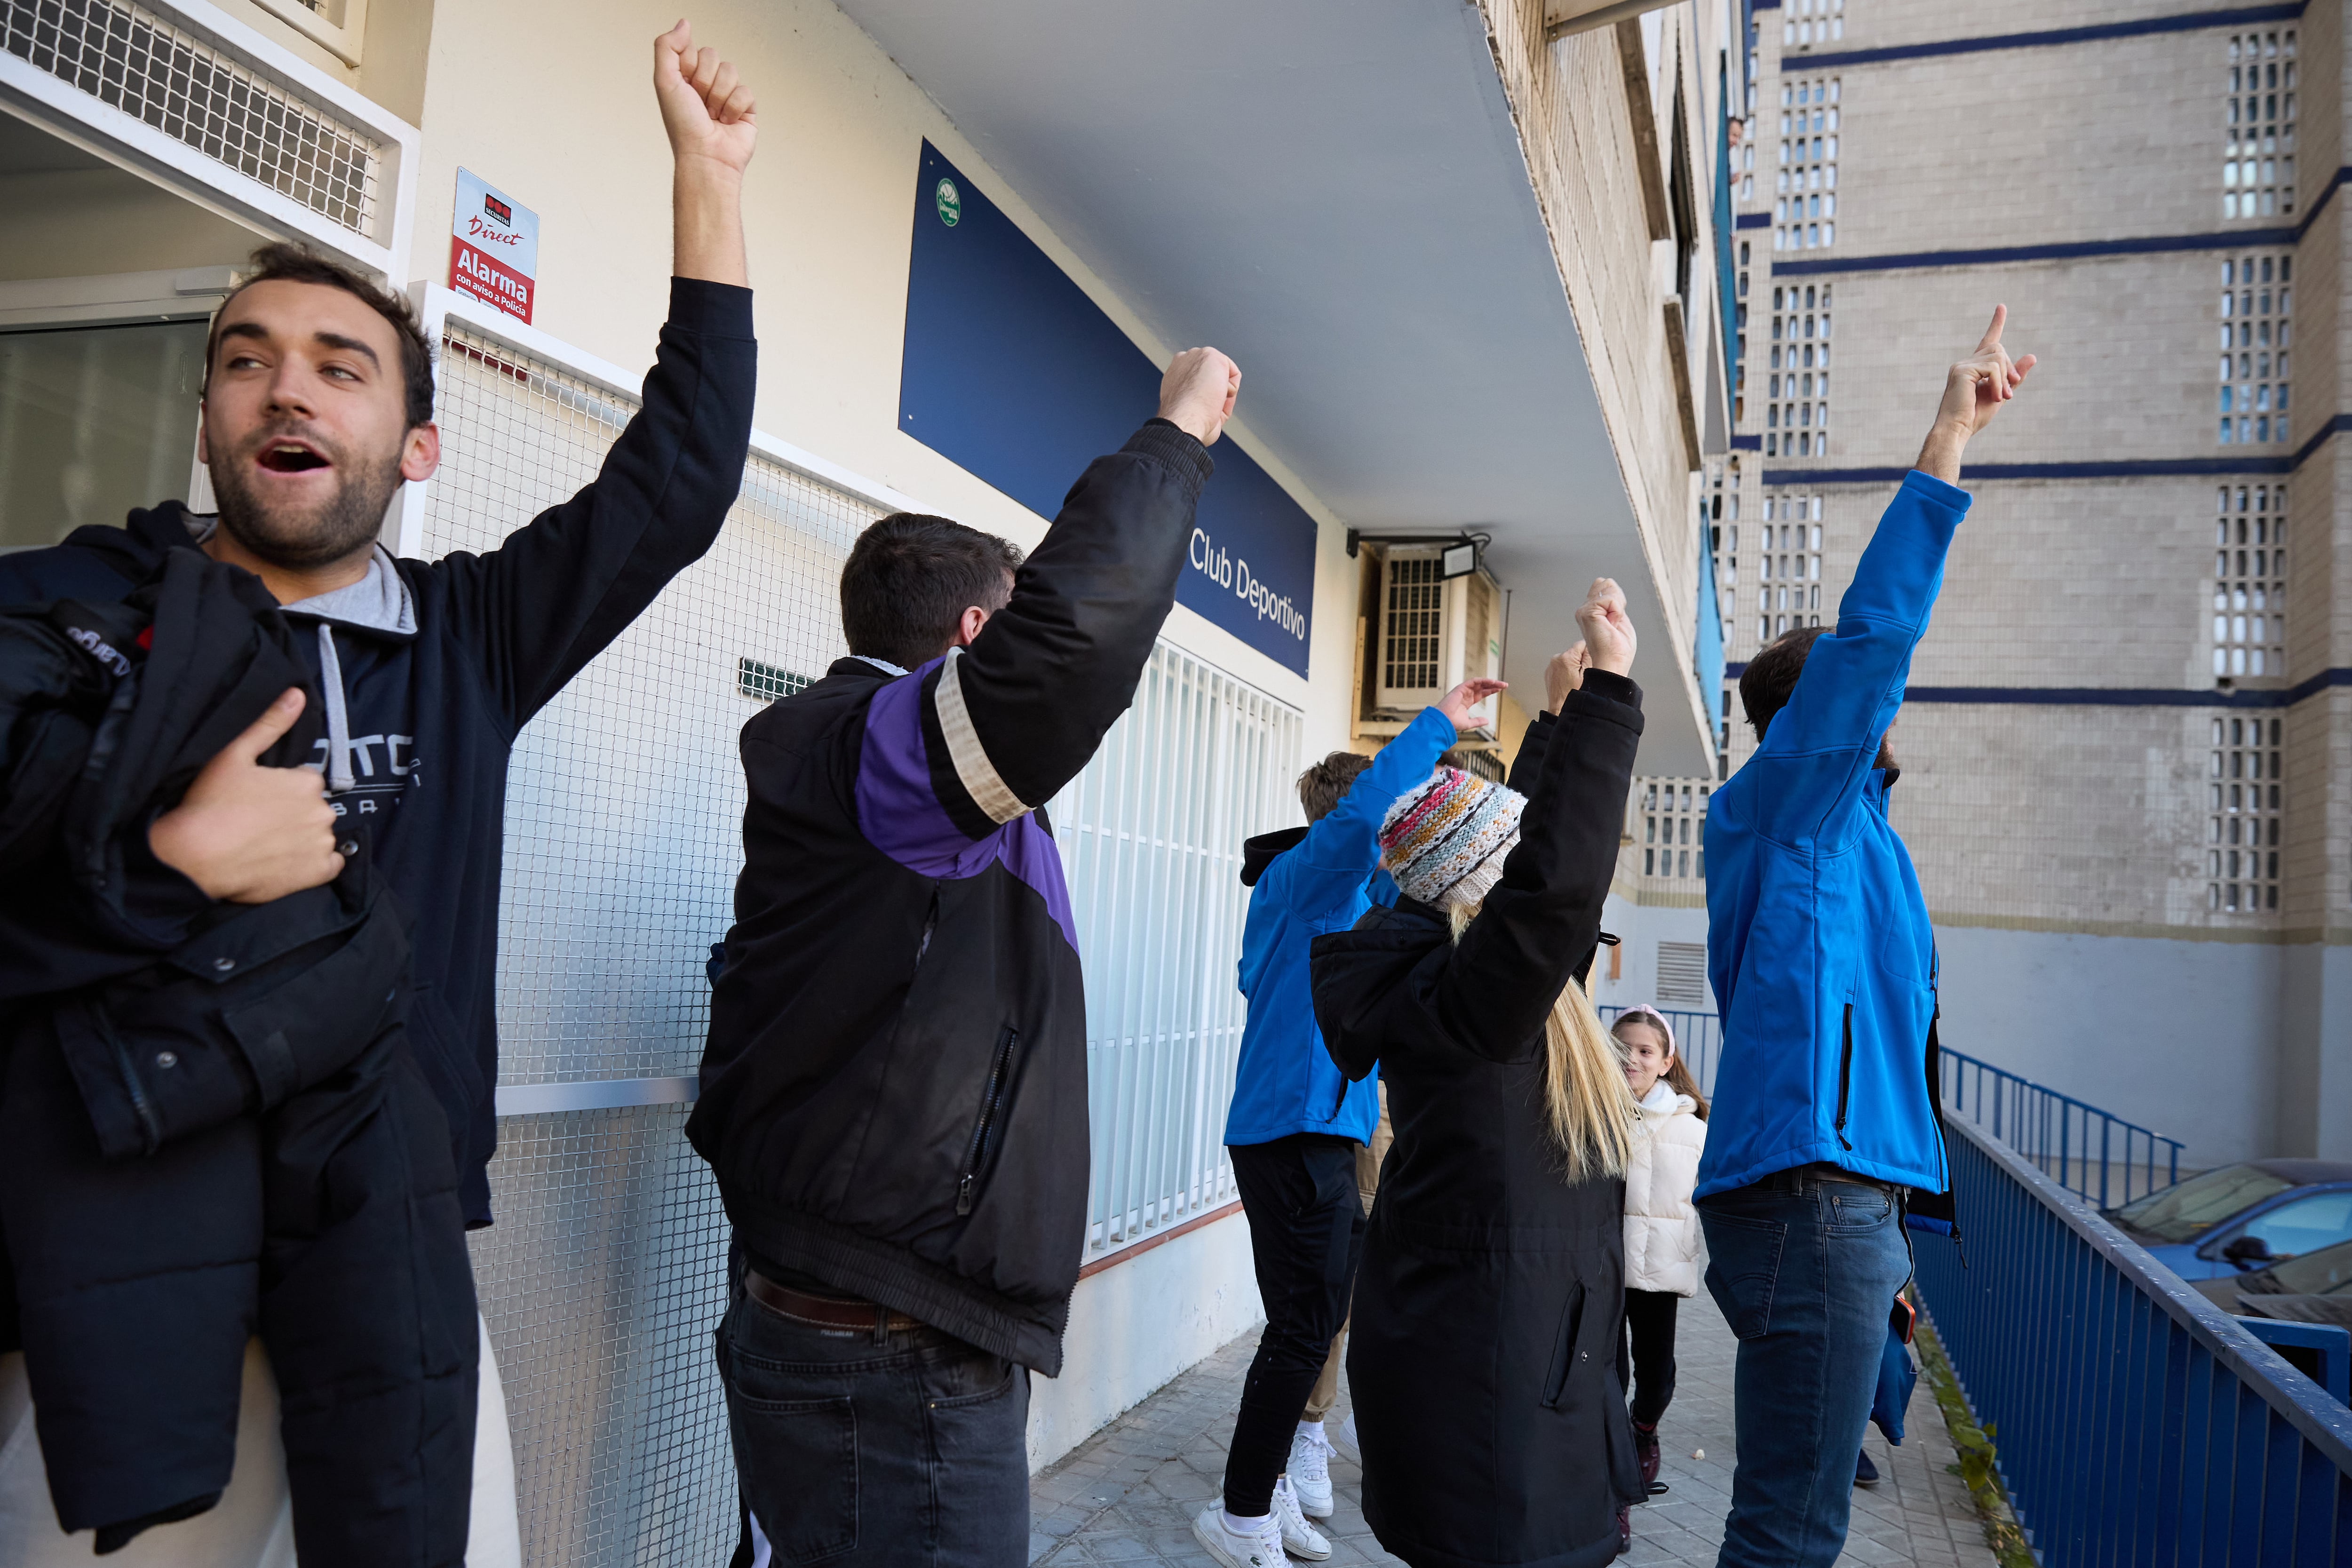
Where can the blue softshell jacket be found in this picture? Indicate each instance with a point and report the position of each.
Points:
(1286, 1081)
(1818, 941)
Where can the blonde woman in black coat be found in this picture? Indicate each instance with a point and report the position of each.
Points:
(1491, 1294)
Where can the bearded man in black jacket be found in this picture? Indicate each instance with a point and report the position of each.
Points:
(318, 405)
(893, 1096)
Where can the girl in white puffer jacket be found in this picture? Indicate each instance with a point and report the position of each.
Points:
(1663, 1252)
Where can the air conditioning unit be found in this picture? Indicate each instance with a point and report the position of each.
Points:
(1434, 633)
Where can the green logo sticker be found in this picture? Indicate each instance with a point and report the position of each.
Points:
(950, 203)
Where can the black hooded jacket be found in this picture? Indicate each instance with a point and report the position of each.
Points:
(1491, 1294)
(213, 1133)
(463, 651)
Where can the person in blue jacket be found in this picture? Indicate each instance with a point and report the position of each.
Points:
(1824, 970)
(1295, 1123)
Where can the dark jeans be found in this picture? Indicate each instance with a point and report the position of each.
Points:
(1306, 1230)
(1649, 1369)
(854, 1448)
(1805, 1267)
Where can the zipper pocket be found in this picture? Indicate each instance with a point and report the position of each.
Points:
(1846, 1079)
(992, 1101)
(132, 1088)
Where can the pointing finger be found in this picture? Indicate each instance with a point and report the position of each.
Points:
(1991, 339)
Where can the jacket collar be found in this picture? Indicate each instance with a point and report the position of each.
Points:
(379, 603)
(1259, 853)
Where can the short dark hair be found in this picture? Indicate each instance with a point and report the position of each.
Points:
(1770, 677)
(1321, 786)
(286, 262)
(909, 579)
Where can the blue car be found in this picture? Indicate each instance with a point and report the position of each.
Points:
(2241, 1218)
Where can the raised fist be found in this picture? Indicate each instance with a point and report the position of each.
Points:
(706, 111)
(1197, 394)
(1607, 632)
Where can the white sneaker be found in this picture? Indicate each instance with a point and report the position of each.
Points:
(1300, 1538)
(1309, 1469)
(1342, 1439)
(1260, 1549)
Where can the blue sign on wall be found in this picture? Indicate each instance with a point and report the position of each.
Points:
(1014, 375)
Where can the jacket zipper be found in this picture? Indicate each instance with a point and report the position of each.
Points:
(1000, 1076)
(131, 1085)
(1846, 1079)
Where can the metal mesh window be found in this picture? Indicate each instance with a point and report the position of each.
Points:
(624, 810)
(604, 1276)
(601, 1282)
(1411, 621)
(1669, 822)
(1151, 838)
(2257, 299)
(132, 59)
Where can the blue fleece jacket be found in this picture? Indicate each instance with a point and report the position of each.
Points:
(1286, 1081)
(1818, 941)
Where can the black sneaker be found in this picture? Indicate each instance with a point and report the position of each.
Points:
(1865, 1474)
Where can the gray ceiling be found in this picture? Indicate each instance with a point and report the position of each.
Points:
(1334, 193)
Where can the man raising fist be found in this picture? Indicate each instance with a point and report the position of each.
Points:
(1826, 1121)
(317, 407)
(894, 1094)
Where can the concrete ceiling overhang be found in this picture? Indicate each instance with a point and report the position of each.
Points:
(1334, 194)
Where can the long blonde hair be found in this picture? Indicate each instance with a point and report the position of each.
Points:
(1585, 1103)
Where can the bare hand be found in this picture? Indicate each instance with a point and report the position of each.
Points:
(1563, 675)
(1975, 387)
(707, 111)
(249, 834)
(1457, 703)
(1197, 394)
(1608, 631)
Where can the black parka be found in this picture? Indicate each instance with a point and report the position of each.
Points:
(1491, 1292)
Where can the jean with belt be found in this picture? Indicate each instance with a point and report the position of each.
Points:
(1805, 1264)
(896, 1443)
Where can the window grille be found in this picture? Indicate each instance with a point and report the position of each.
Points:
(2258, 159)
(2257, 296)
(2241, 856)
(1673, 832)
(765, 682)
(134, 60)
(2250, 582)
(1804, 213)
(1789, 571)
(1151, 838)
(1411, 621)
(1804, 23)
(1681, 973)
(1797, 416)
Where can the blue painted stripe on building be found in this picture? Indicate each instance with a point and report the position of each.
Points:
(2128, 696)
(2119, 468)
(1752, 220)
(1748, 443)
(2187, 22)
(2069, 250)
(2111, 696)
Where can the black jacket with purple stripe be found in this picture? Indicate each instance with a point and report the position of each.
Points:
(894, 1093)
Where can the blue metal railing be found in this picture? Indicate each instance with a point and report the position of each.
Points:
(2085, 1150)
(2134, 1421)
(1698, 1040)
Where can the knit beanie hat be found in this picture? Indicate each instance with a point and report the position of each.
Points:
(1445, 839)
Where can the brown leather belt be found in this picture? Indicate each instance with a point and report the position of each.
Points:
(826, 1312)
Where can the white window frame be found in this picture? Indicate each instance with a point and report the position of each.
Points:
(345, 39)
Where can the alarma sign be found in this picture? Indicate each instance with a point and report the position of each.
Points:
(493, 247)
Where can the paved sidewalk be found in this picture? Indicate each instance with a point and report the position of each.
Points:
(1129, 1493)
